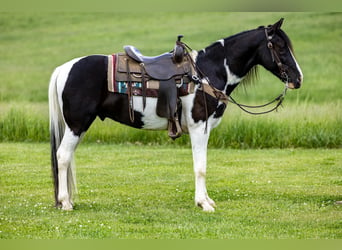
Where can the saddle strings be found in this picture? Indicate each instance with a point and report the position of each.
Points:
(129, 94)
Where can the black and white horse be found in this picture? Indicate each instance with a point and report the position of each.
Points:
(78, 94)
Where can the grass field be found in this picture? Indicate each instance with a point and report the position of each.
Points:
(260, 194)
(273, 177)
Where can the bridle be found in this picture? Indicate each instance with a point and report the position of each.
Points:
(275, 57)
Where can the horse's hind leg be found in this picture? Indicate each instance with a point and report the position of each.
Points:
(66, 174)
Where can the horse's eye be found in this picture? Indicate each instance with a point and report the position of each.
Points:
(282, 51)
(282, 45)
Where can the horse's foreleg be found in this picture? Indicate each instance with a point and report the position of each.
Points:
(199, 142)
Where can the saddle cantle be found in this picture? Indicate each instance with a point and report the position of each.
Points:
(134, 53)
(177, 55)
(165, 71)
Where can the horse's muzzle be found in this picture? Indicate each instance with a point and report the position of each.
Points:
(295, 84)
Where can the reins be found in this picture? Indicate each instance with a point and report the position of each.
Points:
(278, 99)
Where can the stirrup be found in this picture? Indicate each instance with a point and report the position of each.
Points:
(174, 129)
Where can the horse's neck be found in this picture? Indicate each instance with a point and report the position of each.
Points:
(227, 61)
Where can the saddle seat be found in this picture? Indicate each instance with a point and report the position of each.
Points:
(135, 54)
(162, 67)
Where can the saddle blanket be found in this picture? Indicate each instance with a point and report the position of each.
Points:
(152, 86)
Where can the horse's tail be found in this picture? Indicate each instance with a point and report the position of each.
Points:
(57, 128)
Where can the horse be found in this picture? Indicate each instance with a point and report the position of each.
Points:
(78, 94)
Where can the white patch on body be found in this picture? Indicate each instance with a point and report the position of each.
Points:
(221, 41)
(150, 118)
(232, 79)
(194, 55)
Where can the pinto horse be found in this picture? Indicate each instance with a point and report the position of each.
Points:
(78, 94)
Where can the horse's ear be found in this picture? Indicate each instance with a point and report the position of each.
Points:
(278, 24)
(272, 29)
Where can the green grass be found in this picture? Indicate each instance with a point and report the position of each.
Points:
(142, 192)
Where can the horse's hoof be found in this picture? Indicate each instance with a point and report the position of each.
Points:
(208, 209)
(67, 206)
(211, 202)
(207, 206)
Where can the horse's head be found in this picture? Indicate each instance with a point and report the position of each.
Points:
(277, 56)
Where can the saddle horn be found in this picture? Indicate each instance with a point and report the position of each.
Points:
(178, 52)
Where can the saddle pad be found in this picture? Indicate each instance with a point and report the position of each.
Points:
(152, 86)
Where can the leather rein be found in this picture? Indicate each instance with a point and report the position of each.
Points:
(220, 96)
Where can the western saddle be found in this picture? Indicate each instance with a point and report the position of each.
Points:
(167, 71)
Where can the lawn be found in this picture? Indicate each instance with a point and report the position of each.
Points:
(146, 192)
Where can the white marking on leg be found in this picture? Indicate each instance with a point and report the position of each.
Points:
(66, 173)
(199, 142)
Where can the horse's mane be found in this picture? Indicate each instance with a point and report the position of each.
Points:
(251, 76)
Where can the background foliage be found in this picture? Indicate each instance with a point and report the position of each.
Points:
(33, 44)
